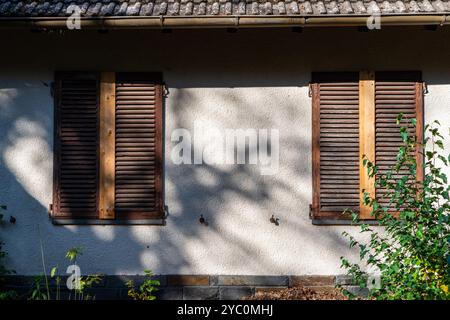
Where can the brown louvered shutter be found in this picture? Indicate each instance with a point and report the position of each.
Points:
(335, 143)
(395, 93)
(138, 180)
(76, 145)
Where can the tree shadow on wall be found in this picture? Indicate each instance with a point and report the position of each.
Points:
(237, 201)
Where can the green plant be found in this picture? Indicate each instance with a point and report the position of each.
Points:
(85, 282)
(79, 293)
(38, 289)
(412, 252)
(146, 289)
(73, 253)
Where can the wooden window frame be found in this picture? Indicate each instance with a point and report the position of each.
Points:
(367, 81)
(106, 153)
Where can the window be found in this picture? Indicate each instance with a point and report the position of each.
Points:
(108, 147)
(354, 114)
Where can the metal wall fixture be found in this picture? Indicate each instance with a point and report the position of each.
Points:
(202, 220)
(275, 221)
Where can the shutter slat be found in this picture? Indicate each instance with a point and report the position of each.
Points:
(76, 152)
(138, 149)
(392, 98)
(338, 147)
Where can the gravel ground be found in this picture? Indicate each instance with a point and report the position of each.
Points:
(299, 293)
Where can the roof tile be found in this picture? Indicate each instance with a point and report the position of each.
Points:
(345, 7)
(413, 7)
(293, 8)
(319, 8)
(281, 8)
(173, 8)
(426, 6)
(332, 7)
(122, 9)
(254, 8)
(400, 7)
(4, 8)
(439, 6)
(220, 7)
(146, 9)
(359, 7)
(228, 8)
(373, 8)
(108, 9)
(215, 7)
(94, 9)
(133, 10)
(387, 7)
(305, 8)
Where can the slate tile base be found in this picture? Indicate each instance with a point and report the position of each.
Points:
(195, 287)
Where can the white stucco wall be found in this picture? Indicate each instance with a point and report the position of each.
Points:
(251, 79)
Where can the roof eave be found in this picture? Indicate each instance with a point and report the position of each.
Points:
(247, 21)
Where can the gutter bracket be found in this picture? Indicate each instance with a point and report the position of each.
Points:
(161, 21)
(236, 21)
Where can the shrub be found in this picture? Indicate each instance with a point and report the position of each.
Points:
(146, 289)
(412, 253)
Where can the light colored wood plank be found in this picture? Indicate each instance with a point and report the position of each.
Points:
(419, 131)
(315, 208)
(107, 146)
(366, 136)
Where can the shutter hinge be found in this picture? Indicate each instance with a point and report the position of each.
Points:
(424, 87)
(50, 209)
(165, 211)
(310, 90)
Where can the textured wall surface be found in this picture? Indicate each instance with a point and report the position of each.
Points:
(250, 79)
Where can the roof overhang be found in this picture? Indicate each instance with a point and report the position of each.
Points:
(247, 21)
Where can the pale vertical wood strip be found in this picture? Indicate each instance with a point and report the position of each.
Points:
(107, 146)
(316, 148)
(419, 131)
(366, 135)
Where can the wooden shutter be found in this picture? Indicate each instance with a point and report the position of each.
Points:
(138, 150)
(76, 145)
(396, 92)
(338, 144)
(335, 127)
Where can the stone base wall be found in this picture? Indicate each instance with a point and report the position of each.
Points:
(193, 287)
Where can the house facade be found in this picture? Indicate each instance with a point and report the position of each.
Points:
(116, 136)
